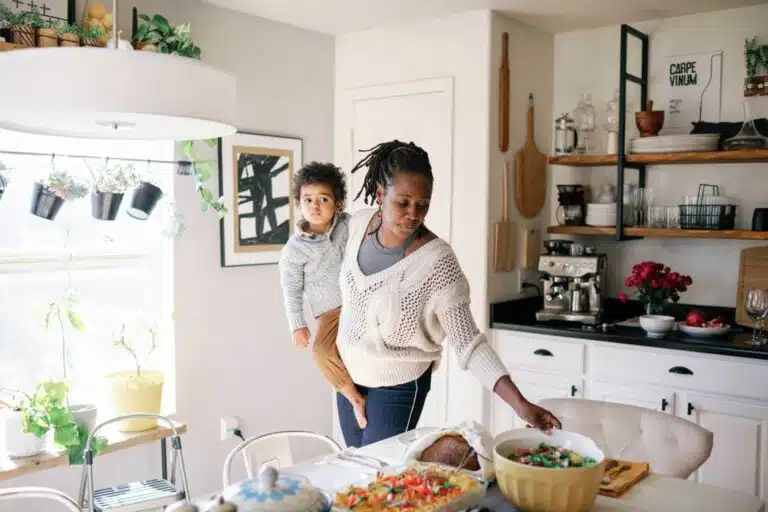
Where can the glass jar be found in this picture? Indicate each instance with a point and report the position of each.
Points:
(612, 124)
(585, 118)
(565, 135)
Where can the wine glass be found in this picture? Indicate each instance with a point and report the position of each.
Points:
(756, 307)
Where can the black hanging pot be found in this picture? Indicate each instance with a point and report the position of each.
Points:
(105, 205)
(145, 197)
(45, 203)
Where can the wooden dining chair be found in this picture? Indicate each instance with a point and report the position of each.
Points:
(20, 493)
(273, 449)
(673, 446)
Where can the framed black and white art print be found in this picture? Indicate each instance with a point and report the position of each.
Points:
(255, 183)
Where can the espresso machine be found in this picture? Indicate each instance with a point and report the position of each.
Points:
(572, 287)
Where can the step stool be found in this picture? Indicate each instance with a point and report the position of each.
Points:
(151, 494)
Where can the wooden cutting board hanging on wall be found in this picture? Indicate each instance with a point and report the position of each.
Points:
(530, 173)
(753, 273)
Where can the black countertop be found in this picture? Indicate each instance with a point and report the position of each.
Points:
(520, 315)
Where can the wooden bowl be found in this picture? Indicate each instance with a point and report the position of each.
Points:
(649, 122)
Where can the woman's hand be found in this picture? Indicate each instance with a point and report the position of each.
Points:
(532, 414)
(301, 337)
(537, 417)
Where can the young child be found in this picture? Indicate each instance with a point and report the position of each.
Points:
(310, 264)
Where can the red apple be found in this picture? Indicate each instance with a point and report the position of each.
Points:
(695, 318)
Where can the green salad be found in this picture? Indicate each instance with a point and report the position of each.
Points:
(548, 456)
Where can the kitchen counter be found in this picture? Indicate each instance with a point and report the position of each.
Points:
(520, 315)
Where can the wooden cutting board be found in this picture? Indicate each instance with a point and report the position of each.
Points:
(753, 273)
(621, 475)
(530, 173)
(531, 252)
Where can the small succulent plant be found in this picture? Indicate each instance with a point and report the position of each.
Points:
(115, 178)
(64, 185)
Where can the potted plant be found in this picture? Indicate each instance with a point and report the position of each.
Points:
(109, 186)
(23, 26)
(655, 284)
(47, 36)
(69, 35)
(17, 442)
(144, 199)
(138, 389)
(46, 411)
(91, 36)
(752, 58)
(157, 35)
(49, 195)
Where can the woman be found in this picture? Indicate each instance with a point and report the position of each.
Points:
(403, 296)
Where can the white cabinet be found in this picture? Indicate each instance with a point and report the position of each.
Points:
(726, 395)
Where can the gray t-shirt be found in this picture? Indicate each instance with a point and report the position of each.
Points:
(374, 257)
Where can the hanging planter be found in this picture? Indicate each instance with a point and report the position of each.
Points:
(49, 196)
(109, 186)
(144, 200)
(105, 205)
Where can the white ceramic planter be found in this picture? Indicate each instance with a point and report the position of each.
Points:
(16, 443)
(84, 415)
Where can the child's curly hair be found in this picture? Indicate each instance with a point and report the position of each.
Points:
(325, 173)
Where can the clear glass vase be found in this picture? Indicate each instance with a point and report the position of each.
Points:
(748, 137)
(654, 308)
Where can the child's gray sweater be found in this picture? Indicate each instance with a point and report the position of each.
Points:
(310, 266)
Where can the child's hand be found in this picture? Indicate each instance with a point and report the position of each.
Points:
(301, 337)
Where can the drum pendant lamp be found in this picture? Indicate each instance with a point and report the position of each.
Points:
(114, 93)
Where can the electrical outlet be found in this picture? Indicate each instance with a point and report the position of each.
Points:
(228, 426)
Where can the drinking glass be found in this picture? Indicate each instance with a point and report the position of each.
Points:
(756, 307)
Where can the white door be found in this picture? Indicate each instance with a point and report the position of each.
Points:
(535, 387)
(419, 111)
(740, 447)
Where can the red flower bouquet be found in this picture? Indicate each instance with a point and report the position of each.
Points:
(655, 284)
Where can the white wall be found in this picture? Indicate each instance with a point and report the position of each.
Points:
(531, 54)
(233, 349)
(454, 46)
(589, 62)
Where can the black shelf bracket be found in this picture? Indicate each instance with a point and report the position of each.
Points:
(642, 81)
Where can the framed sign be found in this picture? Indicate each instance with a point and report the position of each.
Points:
(692, 83)
(53, 11)
(255, 183)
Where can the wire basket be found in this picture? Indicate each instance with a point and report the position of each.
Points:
(707, 211)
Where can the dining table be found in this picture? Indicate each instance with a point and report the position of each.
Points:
(332, 473)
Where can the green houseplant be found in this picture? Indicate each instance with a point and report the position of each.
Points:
(69, 35)
(46, 411)
(109, 185)
(157, 34)
(23, 25)
(50, 193)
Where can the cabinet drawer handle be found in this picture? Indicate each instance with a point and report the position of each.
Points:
(574, 389)
(543, 352)
(664, 404)
(690, 408)
(680, 370)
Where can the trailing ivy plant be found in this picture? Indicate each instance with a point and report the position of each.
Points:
(204, 170)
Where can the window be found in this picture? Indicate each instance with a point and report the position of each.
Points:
(118, 271)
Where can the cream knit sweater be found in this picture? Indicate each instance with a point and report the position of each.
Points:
(394, 323)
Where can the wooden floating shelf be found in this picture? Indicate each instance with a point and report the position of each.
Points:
(698, 157)
(660, 232)
(4, 47)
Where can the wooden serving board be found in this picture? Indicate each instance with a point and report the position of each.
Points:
(753, 273)
(530, 173)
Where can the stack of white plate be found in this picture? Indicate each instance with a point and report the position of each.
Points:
(675, 143)
(601, 214)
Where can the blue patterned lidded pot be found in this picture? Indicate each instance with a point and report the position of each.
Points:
(272, 492)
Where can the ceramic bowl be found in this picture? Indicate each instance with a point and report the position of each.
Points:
(656, 326)
(539, 489)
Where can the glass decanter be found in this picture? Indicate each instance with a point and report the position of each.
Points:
(748, 137)
(585, 118)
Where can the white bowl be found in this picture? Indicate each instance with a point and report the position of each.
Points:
(703, 332)
(656, 326)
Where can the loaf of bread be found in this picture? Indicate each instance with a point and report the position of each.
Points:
(450, 450)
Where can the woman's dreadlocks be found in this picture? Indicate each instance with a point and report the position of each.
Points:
(387, 158)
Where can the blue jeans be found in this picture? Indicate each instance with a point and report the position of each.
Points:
(390, 410)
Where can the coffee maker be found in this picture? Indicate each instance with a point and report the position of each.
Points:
(572, 287)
